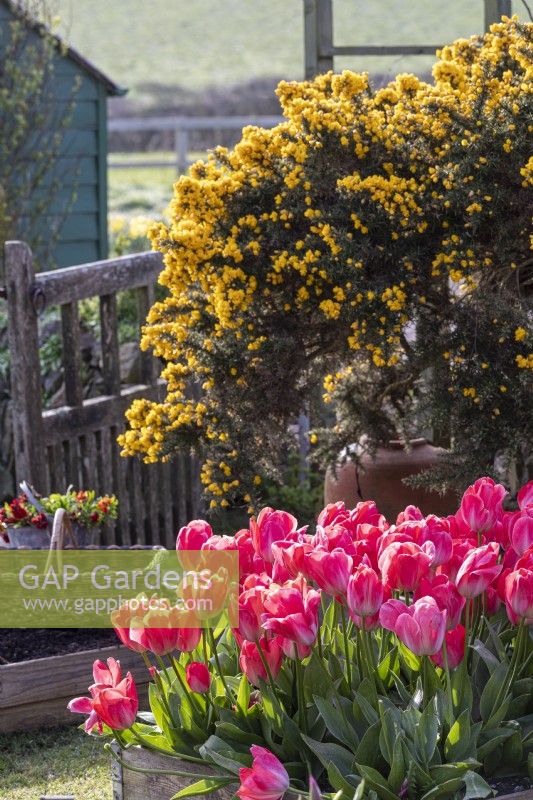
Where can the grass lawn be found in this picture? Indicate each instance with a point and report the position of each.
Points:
(59, 761)
(140, 190)
(219, 42)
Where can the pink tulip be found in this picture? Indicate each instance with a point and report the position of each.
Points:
(519, 596)
(294, 650)
(455, 648)
(188, 639)
(266, 779)
(271, 526)
(460, 549)
(437, 530)
(329, 570)
(251, 663)
(113, 700)
(481, 505)
(525, 496)
(332, 538)
(155, 632)
(366, 513)
(198, 677)
(290, 554)
(292, 612)
(521, 531)
(408, 514)
(121, 621)
(404, 564)
(193, 535)
(478, 570)
(369, 623)
(365, 592)
(446, 596)
(421, 627)
(251, 608)
(332, 514)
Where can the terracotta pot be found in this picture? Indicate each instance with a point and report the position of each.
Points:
(380, 479)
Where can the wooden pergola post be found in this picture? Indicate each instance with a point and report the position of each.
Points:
(318, 36)
(25, 367)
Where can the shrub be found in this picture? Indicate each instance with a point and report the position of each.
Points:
(376, 243)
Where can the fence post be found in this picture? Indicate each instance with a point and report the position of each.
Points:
(495, 10)
(23, 338)
(181, 138)
(318, 37)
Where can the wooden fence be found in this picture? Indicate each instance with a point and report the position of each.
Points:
(76, 444)
(182, 128)
(320, 51)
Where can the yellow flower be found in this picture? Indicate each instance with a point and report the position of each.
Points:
(520, 334)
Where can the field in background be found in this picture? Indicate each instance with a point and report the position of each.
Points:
(204, 43)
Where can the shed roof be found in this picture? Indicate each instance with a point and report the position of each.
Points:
(66, 50)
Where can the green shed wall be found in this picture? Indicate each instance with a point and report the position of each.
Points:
(80, 203)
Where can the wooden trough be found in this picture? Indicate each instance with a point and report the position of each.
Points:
(35, 693)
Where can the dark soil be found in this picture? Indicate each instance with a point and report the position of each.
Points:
(23, 645)
(510, 785)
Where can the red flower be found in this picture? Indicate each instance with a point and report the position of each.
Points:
(478, 570)
(266, 779)
(404, 564)
(271, 526)
(329, 570)
(437, 530)
(519, 596)
(113, 701)
(251, 608)
(455, 648)
(521, 531)
(198, 677)
(365, 592)
(291, 611)
(481, 505)
(421, 627)
(251, 663)
(192, 537)
(446, 596)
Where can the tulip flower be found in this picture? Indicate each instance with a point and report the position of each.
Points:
(332, 514)
(365, 592)
(460, 549)
(266, 779)
(481, 505)
(333, 537)
(251, 663)
(198, 677)
(271, 526)
(192, 537)
(155, 632)
(329, 570)
(292, 612)
(113, 701)
(519, 596)
(455, 648)
(478, 570)
(408, 514)
(251, 608)
(404, 564)
(121, 620)
(525, 496)
(188, 639)
(446, 596)
(421, 627)
(437, 530)
(521, 531)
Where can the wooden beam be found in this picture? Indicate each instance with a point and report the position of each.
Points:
(495, 10)
(25, 367)
(70, 328)
(67, 285)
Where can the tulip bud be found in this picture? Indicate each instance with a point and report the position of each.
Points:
(198, 677)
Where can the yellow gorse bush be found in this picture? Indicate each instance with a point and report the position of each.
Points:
(300, 261)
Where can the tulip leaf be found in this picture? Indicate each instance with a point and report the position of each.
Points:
(499, 714)
(496, 737)
(336, 721)
(409, 659)
(342, 783)
(442, 773)
(362, 703)
(398, 769)
(374, 780)
(231, 732)
(443, 789)
(457, 744)
(427, 734)
(243, 695)
(388, 735)
(204, 786)
(491, 661)
(493, 691)
(476, 786)
(389, 664)
(330, 753)
(368, 750)
(513, 749)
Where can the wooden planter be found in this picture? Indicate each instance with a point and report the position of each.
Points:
(35, 693)
(129, 785)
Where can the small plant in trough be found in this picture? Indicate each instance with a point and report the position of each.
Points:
(372, 659)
